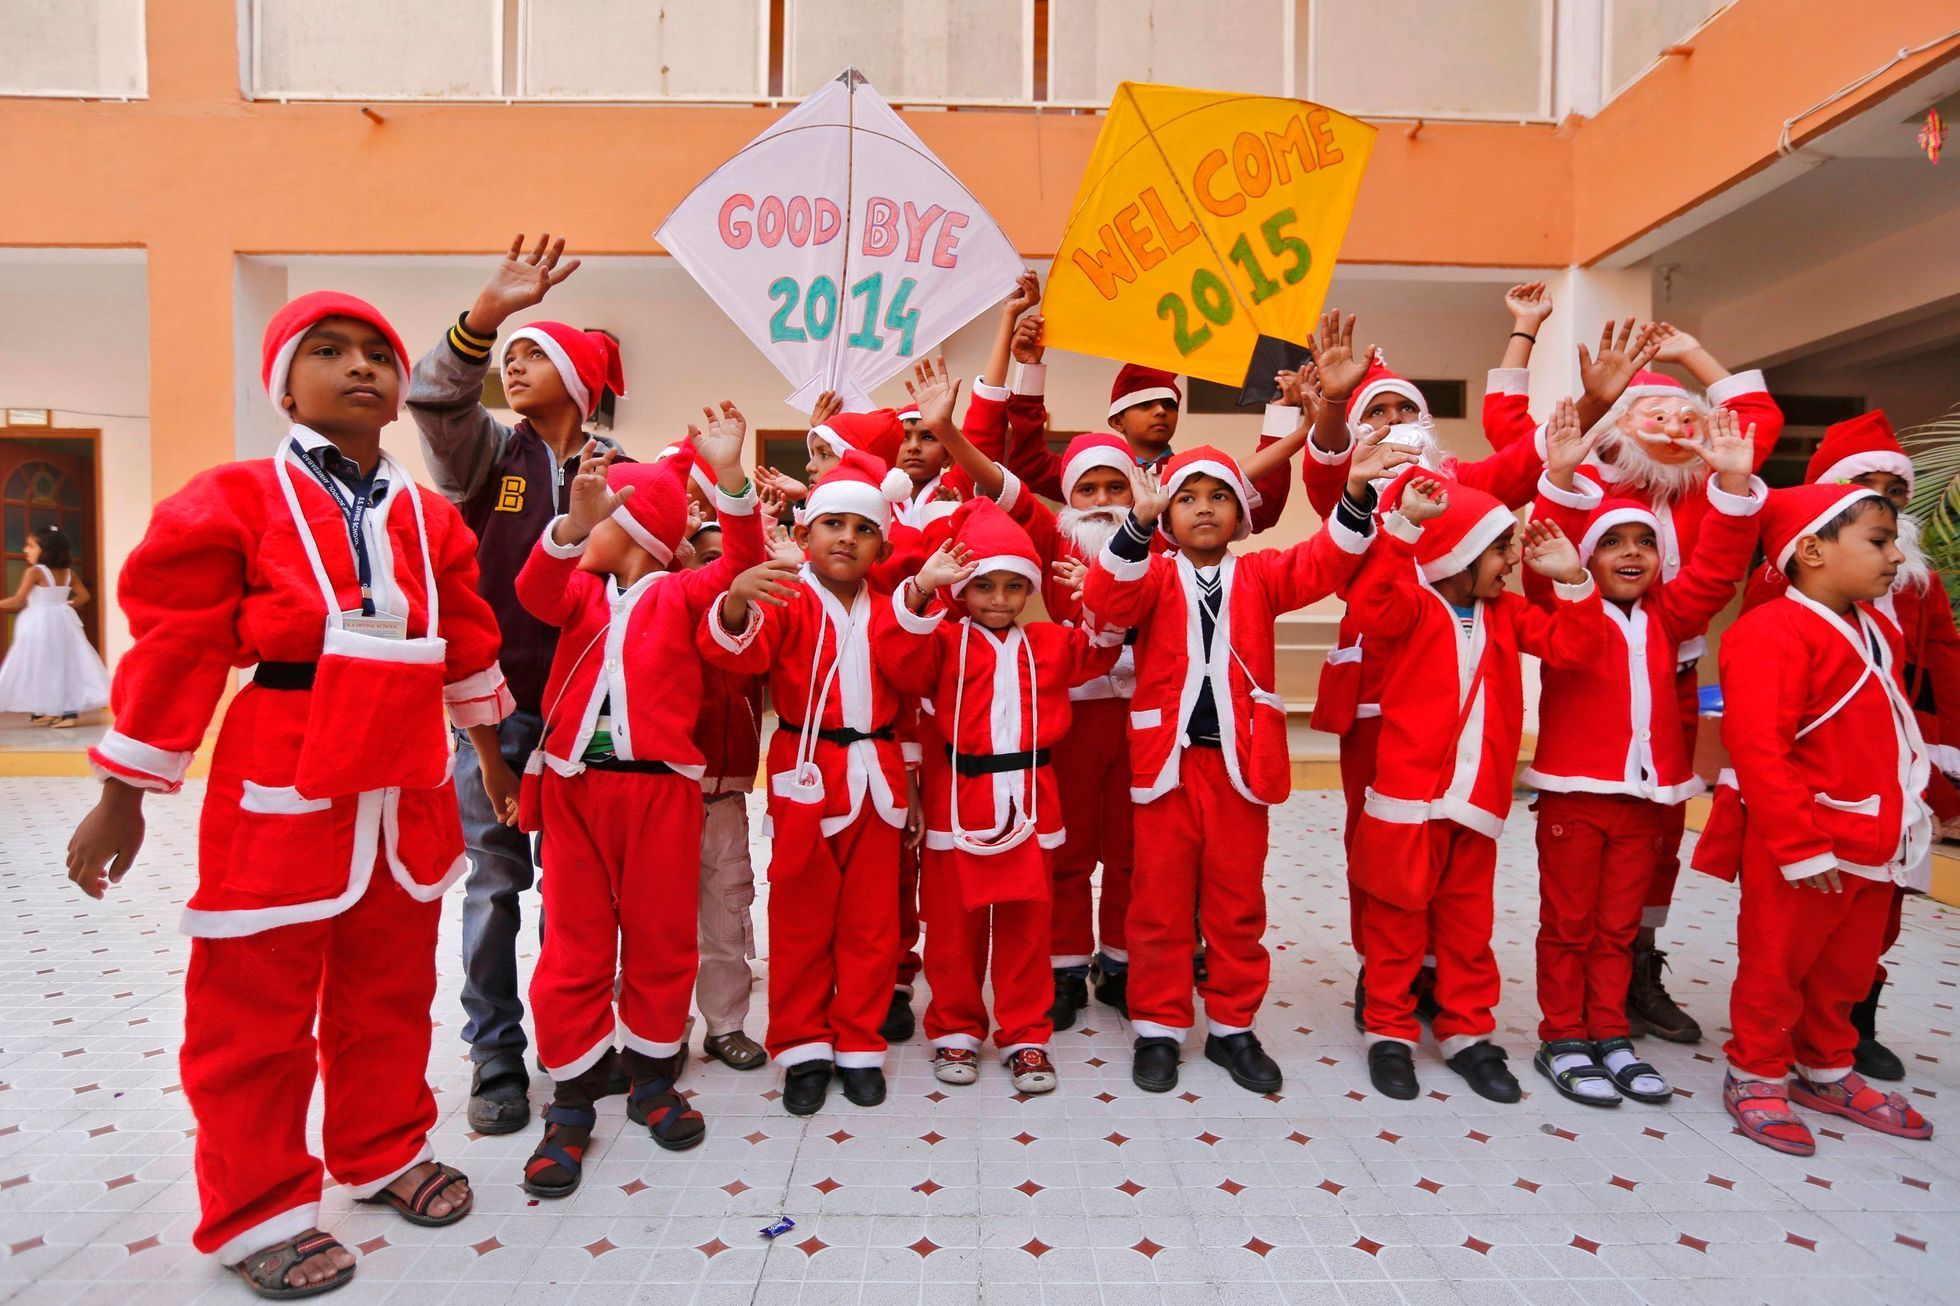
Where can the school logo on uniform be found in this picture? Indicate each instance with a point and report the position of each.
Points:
(510, 495)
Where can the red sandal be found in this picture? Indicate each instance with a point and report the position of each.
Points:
(1762, 1112)
(1854, 1099)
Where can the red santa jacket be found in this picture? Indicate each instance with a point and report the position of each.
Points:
(728, 730)
(1509, 475)
(818, 688)
(221, 580)
(633, 649)
(1452, 706)
(1023, 447)
(1828, 765)
(1611, 727)
(1158, 596)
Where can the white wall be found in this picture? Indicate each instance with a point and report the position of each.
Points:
(74, 337)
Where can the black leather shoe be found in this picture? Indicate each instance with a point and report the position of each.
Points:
(1244, 1060)
(863, 1085)
(1392, 1070)
(805, 1085)
(1361, 998)
(1113, 990)
(899, 1024)
(1482, 1067)
(1071, 995)
(500, 1101)
(1155, 1067)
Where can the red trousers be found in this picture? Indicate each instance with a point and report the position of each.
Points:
(1456, 927)
(1667, 863)
(908, 917)
(251, 1057)
(833, 947)
(622, 898)
(1008, 939)
(1595, 860)
(1358, 747)
(1803, 960)
(1200, 852)
(1092, 769)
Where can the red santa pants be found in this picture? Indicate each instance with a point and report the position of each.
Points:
(833, 947)
(622, 867)
(251, 1057)
(1092, 769)
(1010, 939)
(1803, 959)
(1456, 926)
(1667, 864)
(1358, 747)
(909, 913)
(1595, 860)
(1200, 852)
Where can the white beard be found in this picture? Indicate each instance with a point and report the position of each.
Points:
(1915, 573)
(1665, 483)
(1088, 529)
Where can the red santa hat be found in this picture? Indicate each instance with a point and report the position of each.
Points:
(878, 433)
(859, 484)
(1452, 541)
(655, 515)
(1648, 384)
(1854, 448)
(1207, 461)
(1614, 513)
(909, 413)
(690, 458)
(1377, 381)
(1802, 510)
(996, 542)
(291, 323)
(1137, 384)
(1094, 449)
(587, 361)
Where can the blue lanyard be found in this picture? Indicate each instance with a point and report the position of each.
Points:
(354, 511)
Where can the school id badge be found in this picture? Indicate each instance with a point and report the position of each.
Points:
(378, 625)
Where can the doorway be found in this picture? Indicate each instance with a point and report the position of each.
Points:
(51, 476)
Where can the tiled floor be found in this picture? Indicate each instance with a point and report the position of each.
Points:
(1098, 1193)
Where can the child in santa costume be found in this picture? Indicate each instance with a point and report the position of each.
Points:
(1611, 759)
(1432, 603)
(1647, 455)
(1208, 742)
(329, 829)
(728, 731)
(508, 482)
(999, 691)
(619, 789)
(1864, 450)
(836, 783)
(1823, 817)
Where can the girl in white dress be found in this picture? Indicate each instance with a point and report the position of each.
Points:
(51, 670)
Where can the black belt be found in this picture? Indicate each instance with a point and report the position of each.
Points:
(1130, 635)
(843, 734)
(631, 767)
(995, 763)
(1207, 741)
(285, 675)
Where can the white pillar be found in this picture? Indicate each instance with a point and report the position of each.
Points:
(1583, 300)
(258, 290)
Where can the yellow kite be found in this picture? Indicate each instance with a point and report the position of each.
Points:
(1205, 221)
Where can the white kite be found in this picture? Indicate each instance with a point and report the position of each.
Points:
(841, 245)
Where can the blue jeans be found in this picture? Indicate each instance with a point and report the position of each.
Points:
(501, 868)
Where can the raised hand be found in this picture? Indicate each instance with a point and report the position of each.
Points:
(1548, 552)
(828, 406)
(1677, 345)
(780, 546)
(520, 281)
(1728, 450)
(1422, 499)
(1333, 352)
(949, 564)
(721, 445)
(781, 485)
(1622, 353)
(1147, 497)
(771, 581)
(1567, 445)
(1530, 304)
(1071, 573)
(1301, 390)
(1373, 459)
(591, 500)
(1025, 295)
(933, 390)
(1030, 339)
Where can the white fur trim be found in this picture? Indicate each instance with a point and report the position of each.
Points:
(850, 496)
(567, 374)
(1026, 568)
(1097, 455)
(1143, 396)
(1151, 1029)
(279, 800)
(487, 683)
(1818, 522)
(1029, 379)
(584, 1061)
(1349, 539)
(1120, 567)
(1737, 384)
(1338, 458)
(734, 505)
(1475, 540)
(1666, 795)
(803, 1052)
(1225, 1031)
(829, 439)
(1618, 517)
(649, 1047)
(741, 639)
(282, 367)
(1234, 480)
(280, 1228)
(1387, 385)
(911, 621)
(986, 390)
(861, 1060)
(553, 548)
(1584, 496)
(641, 535)
(132, 761)
(1739, 505)
(1810, 866)
(1402, 529)
(234, 924)
(373, 648)
(1860, 464)
(1507, 381)
(1456, 1043)
(1573, 593)
(1279, 419)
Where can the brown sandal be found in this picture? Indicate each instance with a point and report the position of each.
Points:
(265, 1271)
(415, 1209)
(736, 1050)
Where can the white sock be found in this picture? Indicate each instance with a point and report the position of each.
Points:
(1620, 1058)
(1598, 1088)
